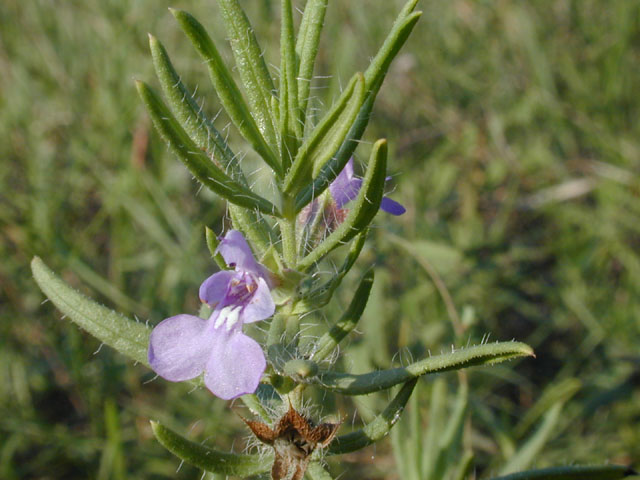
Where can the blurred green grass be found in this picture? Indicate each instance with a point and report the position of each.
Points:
(515, 145)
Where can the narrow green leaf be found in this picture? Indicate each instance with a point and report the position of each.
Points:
(378, 427)
(129, 337)
(290, 126)
(307, 49)
(249, 57)
(328, 135)
(362, 210)
(604, 472)
(198, 163)
(212, 244)
(226, 88)
(330, 340)
(374, 77)
(199, 128)
(530, 450)
(352, 384)
(208, 459)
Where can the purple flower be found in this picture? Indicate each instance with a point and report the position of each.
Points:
(346, 187)
(184, 346)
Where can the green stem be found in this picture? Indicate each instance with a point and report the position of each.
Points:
(288, 231)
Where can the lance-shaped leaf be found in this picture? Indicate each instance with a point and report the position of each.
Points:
(330, 340)
(249, 57)
(212, 245)
(600, 472)
(198, 163)
(191, 117)
(378, 427)
(352, 384)
(374, 76)
(226, 88)
(129, 337)
(326, 138)
(307, 48)
(362, 210)
(208, 459)
(290, 126)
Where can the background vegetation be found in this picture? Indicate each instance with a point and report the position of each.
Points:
(515, 145)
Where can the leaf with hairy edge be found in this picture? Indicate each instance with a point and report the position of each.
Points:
(199, 128)
(307, 49)
(290, 127)
(328, 135)
(374, 76)
(352, 384)
(249, 57)
(330, 340)
(603, 472)
(226, 88)
(208, 459)
(198, 163)
(129, 337)
(377, 428)
(362, 210)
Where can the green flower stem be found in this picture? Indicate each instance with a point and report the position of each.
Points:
(288, 231)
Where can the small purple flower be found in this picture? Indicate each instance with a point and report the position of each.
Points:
(184, 346)
(346, 187)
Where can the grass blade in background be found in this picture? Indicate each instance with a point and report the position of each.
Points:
(605, 472)
(529, 451)
(127, 336)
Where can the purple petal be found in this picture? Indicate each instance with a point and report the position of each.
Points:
(213, 288)
(346, 186)
(260, 306)
(391, 206)
(236, 252)
(178, 348)
(235, 366)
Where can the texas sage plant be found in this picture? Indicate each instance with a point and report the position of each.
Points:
(270, 257)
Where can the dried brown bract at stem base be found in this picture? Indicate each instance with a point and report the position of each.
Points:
(293, 439)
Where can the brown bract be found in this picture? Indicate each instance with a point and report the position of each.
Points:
(293, 439)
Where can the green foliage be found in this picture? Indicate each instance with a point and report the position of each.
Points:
(525, 115)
